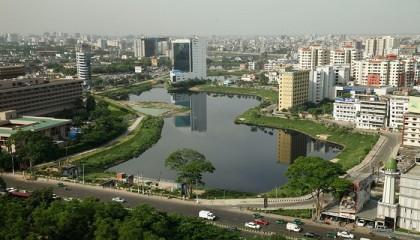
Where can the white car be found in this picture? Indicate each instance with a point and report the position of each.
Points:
(10, 189)
(252, 225)
(345, 234)
(118, 199)
(361, 223)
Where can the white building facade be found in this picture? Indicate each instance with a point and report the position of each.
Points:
(372, 115)
(398, 106)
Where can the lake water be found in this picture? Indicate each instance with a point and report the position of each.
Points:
(246, 158)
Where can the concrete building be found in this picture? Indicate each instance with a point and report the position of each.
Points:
(149, 47)
(380, 45)
(188, 59)
(8, 72)
(293, 88)
(346, 109)
(398, 107)
(384, 72)
(10, 123)
(373, 114)
(387, 211)
(411, 123)
(39, 96)
(323, 79)
(409, 200)
(252, 66)
(313, 56)
(83, 67)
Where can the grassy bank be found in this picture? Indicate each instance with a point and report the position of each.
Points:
(142, 138)
(269, 95)
(356, 145)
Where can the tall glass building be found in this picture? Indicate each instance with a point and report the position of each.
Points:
(188, 59)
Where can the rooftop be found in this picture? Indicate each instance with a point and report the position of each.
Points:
(26, 123)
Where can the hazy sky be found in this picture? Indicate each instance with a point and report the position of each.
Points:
(215, 17)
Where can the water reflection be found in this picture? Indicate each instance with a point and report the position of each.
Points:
(246, 158)
(197, 119)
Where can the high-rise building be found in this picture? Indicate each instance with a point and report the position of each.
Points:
(323, 79)
(188, 59)
(293, 88)
(149, 47)
(83, 67)
(380, 46)
(11, 71)
(313, 56)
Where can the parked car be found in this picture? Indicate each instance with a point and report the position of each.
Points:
(260, 221)
(383, 228)
(331, 234)
(311, 235)
(370, 225)
(68, 199)
(361, 222)
(345, 234)
(297, 221)
(10, 189)
(256, 215)
(118, 199)
(252, 225)
(281, 221)
(60, 184)
(232, 228)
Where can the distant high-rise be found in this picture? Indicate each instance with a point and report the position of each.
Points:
(188, 59)
(293, 88)
(149, 47)
(83, 67)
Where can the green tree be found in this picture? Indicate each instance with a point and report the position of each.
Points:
(263, 79)
(190, 166)
(90, 104)
(317, 176)
(2, 183)
(34, 147)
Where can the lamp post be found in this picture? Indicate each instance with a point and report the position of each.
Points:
(196, 190)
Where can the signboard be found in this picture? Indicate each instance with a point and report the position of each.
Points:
(414, 104)
(342, 215)
(346, 100)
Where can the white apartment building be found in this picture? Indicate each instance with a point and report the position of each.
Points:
(380, 46)
(323, 79)
(409, 200)
(188, 59)
(372, 114)
(83, 67)
(346, 109)
(411, 130)
(313, 56)
(398, 106)
(252, 66)
(382, 72)
(346, 56)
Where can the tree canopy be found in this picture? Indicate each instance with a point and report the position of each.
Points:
(317, 176)
(190, 166)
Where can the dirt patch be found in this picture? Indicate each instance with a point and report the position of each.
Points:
(168, 109)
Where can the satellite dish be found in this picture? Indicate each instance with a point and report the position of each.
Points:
(352, 194)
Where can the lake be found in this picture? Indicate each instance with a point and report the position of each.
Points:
(246, 158)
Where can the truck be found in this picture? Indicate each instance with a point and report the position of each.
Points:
(206, 215)
(293, 227)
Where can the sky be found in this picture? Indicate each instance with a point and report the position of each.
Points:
(206, 18)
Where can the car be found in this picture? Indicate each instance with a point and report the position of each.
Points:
(345, 234)
(55, 196)
(232, 228)
(11, 189)
(297, 221)
(311, 235)
(331, 234)
(361, 222)
(252, 225)
(60, 184)
(383, 228)
(370, 225)
(118, 199)
(281, 221)
(256, 215)
(260, 221)
(68, 199)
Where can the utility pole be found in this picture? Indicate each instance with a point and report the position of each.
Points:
(83, 174)
(138, 183)
(196, 189)
(13, 165)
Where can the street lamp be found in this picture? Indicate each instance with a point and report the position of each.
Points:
(196, 190)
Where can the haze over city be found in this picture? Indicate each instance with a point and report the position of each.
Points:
(217, 17)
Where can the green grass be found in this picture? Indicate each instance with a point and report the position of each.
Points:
(269, 95)
(356, 145)
(298, 213)
(222, 193)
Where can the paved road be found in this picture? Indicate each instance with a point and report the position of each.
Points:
(227, 214)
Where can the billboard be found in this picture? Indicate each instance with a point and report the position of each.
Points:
(414, 105)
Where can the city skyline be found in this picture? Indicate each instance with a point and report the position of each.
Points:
(188, 17)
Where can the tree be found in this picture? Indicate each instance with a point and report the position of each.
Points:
(34, 147)
(190, 166)
(317, 176)
(263, 79)
(2, 183)
(90, 104)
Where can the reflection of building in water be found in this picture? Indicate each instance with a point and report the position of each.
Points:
(289, 146)
(317, 146)
(197, 119)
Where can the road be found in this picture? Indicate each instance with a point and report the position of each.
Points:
(228, 215)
